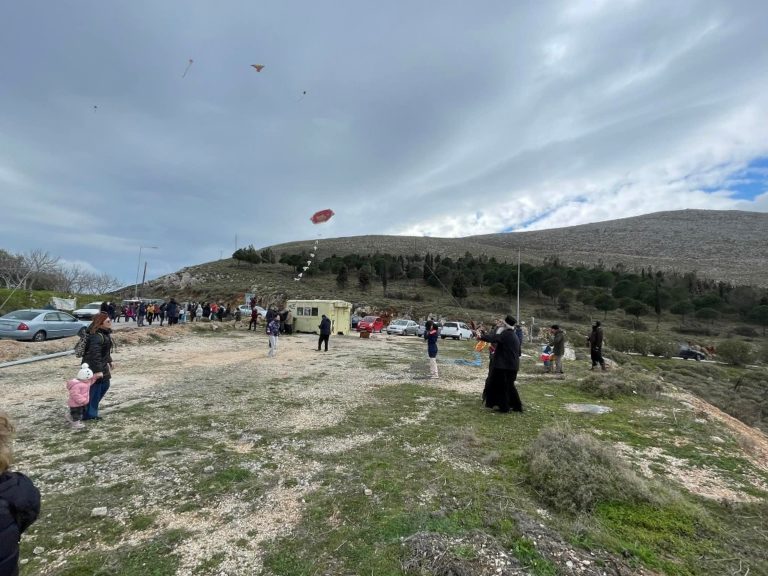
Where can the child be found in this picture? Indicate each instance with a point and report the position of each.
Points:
(79, 393)
(19, 503)
(273, 331)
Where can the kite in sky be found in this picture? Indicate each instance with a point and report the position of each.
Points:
(189, 65)
(259, 67)
(316, 218)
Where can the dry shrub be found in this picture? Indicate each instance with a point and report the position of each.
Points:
(612, 384)
(574, 472)
(735, 352)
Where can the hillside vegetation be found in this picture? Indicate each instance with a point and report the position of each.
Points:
(722, 245)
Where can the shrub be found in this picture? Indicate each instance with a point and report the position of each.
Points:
(620, 341)
(735, 352)
(763, 354)
(663, 348)
(633, 324)
(746, 331)
(595, 473)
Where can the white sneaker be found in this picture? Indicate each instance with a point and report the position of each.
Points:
(68, 416)
(78, 425)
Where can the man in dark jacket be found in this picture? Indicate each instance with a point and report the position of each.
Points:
(19, 504)
(595, 340)
(501, 389)
(558, 349)
(325, 332)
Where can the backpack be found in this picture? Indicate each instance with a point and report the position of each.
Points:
(82, 344)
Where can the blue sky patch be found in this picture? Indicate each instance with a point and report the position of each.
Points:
(750, 182)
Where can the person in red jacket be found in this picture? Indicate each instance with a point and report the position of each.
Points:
(19, 503)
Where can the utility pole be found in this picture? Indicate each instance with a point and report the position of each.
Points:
(518, 285)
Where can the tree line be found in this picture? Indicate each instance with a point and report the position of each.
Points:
(644, 292)
(39, 270)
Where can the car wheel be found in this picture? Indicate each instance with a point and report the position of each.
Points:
(442, 337)
(81, 332)
(39, 336)
(461, 337)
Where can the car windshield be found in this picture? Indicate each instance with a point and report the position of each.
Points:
(94, 306)
(400, 322)
(21, 315)
(369, 318)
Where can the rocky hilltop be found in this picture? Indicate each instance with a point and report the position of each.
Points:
(727, 245)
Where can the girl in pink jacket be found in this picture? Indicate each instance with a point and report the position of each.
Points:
(79, 395)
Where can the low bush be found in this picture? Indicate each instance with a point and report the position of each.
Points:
(735, 352)
(594, 472)
(633, 324)
(696, 330)
(746, 331)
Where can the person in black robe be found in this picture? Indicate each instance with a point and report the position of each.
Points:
(500, 390)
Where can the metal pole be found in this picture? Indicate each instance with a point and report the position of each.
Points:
(518, 285)
(136, 285)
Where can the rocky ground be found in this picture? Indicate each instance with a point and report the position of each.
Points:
(177, 414)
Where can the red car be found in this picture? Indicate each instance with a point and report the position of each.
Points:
(370, 324)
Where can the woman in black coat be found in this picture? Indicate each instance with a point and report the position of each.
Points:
(19, 503)
(501, 390)
(98, 355)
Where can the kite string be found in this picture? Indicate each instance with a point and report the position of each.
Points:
(464, 312)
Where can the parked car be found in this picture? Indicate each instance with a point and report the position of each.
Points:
(422, 328)
(403, 327)
(245, 311)
(88, 311)
(370, 324)
(456, 330)
(39, 325)
(354, 320)
(690, 354)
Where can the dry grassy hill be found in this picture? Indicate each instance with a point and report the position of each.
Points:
(726, 245)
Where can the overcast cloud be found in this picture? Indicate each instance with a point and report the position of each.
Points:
(442, 119)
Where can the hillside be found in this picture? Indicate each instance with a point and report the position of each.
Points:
(718, 244)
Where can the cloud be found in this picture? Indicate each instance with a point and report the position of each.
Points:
(447, 122)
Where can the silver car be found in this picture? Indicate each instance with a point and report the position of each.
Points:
(40, 325)
(403, 327)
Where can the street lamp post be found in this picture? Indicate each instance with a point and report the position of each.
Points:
(138, 266)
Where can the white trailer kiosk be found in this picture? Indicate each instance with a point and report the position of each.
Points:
(308, 313)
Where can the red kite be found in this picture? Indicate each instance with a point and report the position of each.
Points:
(259, 67)
(322, 216)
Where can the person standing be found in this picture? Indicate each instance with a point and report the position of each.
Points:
(273, 331)
(595, 341)
(558, 349)
(289, 322)
(325, 332)
(254, 318)
(98, 356)
(430, 335)
(19, 502)
(501, 389)
(142, 313)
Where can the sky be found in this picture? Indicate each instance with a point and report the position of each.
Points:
(417, 118)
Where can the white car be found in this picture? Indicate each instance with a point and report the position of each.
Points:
(88, 311)
(456, 330)
(403, 327)
(245, 311)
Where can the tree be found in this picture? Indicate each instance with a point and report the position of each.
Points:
(682, 308)
(364, 278)
(552, 287)
(635, 308)
(459, 287)
(605, 303)
(708, 314)
(39, 263)
(384, 276)
(760, 315)
(414, 271)
(342, 278)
